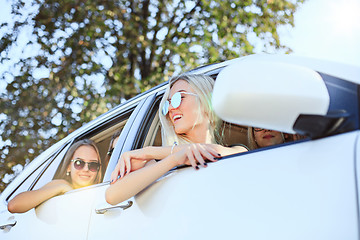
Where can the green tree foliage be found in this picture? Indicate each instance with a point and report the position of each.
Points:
(82, 57)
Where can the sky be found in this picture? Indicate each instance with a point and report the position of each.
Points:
(326, 29)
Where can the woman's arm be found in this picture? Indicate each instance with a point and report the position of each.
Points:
(25, 201)
(224, 151)
(136, 181)
(136, 159)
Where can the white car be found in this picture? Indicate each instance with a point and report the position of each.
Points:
(307, 189)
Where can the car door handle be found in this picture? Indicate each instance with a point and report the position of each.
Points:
(123, 207)
(8, 225)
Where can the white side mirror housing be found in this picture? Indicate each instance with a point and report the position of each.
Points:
(268, 94)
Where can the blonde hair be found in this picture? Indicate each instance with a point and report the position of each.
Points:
(61, 174)
(203, 86)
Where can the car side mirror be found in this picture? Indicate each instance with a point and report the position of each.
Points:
(268, 94)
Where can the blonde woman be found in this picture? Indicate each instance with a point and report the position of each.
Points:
(189, 132)
(81, 167)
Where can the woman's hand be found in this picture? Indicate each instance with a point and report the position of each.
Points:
(128, 162)
(136, 159)
(192, 154)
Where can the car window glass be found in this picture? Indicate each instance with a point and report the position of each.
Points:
(231, 134)
(150, 132)
(102, 140)
(48, 172)
(28, 182)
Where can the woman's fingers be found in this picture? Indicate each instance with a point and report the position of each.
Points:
(208, 153)
(122, 166)
(127, 165)
(192, 160)
(196, 152)
(115, 175)
(212, 151)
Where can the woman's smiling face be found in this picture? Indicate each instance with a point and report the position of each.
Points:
(83, 177)
(265, 138)
(186, 117)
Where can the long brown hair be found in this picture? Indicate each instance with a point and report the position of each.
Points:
(61, 174)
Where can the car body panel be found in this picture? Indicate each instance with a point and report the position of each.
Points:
(298, 191)
(69, 212)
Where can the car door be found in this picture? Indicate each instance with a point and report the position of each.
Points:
(296, 191)
(65, 216)
(16, 226)
(106, 219)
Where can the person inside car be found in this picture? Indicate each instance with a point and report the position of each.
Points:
(260, 137)
(189, 131)
(81, 167)
(113, 141)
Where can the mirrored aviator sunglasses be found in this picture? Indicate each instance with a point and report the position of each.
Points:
(175, 102)
(80, 164)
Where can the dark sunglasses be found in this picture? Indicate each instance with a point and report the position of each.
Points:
(175, 102)
(80, 164)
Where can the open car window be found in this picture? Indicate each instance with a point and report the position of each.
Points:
(46, 170)
(231, 134)
(32, 178)
(150, 131)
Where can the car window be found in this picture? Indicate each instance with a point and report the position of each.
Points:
(102, 140)
(101, 134)
(46, 175)
(150, 133)
(28, 182)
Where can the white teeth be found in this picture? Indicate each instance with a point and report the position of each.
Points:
(176, 117)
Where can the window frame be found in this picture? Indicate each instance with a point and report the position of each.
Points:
(129, 133)
(30, 179)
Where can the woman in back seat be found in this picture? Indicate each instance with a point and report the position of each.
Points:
(260, 137)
